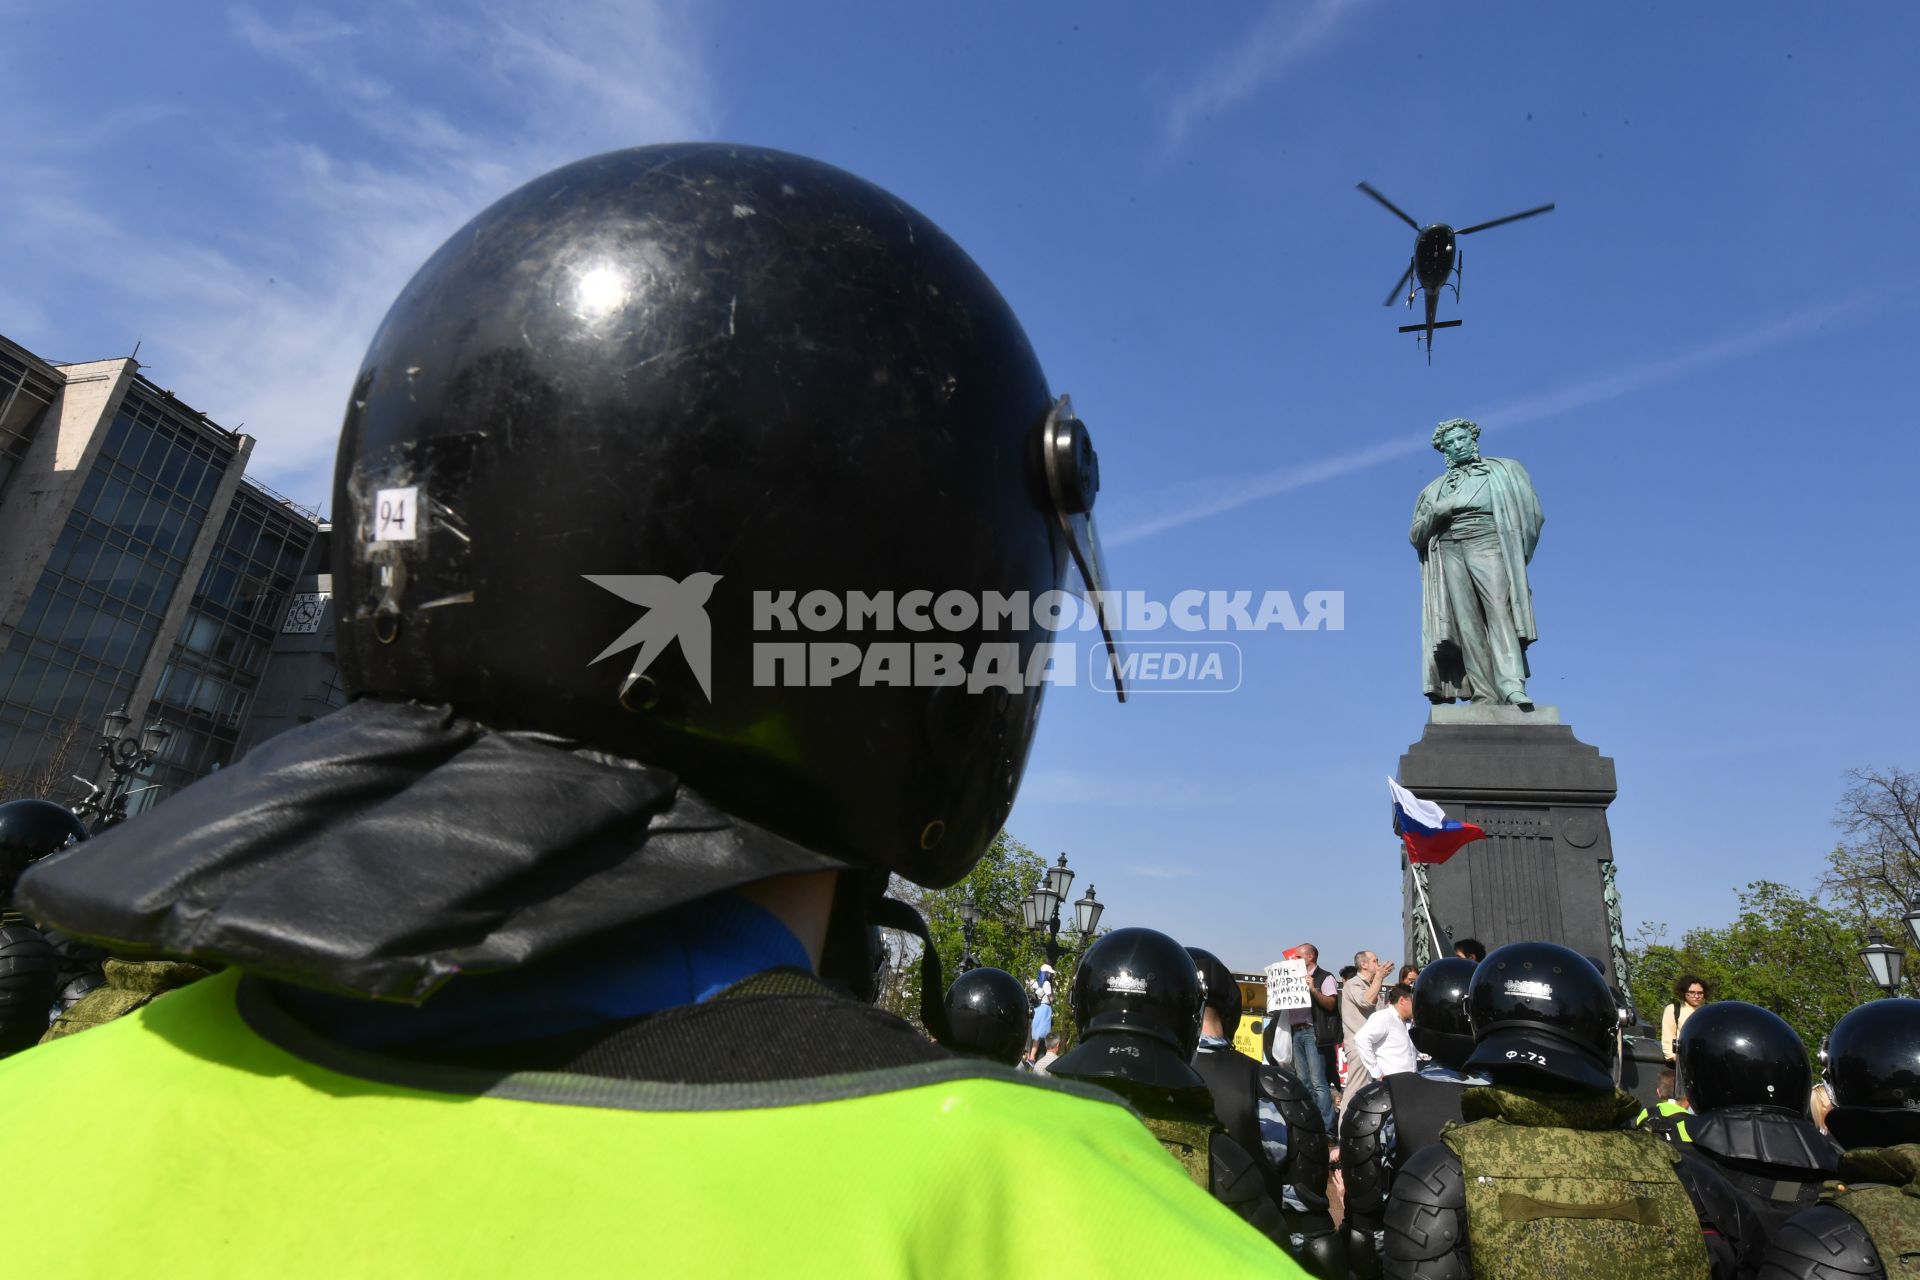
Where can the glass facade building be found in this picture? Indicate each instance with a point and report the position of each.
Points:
(90, 625)
(214, 668)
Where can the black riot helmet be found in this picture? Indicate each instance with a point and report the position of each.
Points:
(1222, 993)
(1873, 1069)
(1441, 1028)
(1732, 1053)
(29, 831)
(1137, 1000)
(656, 452)
(988, 1015)
(1542, 1014)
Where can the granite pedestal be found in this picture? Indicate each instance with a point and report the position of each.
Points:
(1543, 872)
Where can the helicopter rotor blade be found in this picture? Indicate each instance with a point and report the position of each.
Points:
(1400, 284)
(1501, 222)
(1392, 208)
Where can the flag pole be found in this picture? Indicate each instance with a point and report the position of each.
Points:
(1426, 908)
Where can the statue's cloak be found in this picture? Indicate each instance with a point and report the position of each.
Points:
(1517, 518)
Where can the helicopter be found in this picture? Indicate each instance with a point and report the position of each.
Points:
(1435, 257)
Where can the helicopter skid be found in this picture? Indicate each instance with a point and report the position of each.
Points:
(1437, 324)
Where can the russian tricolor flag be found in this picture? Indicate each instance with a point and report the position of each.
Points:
(1429, 834)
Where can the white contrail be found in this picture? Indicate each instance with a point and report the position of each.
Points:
(1229, 493)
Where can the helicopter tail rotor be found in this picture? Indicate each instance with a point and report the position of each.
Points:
(1393, 294)
(1396, 210)
(1501, 222)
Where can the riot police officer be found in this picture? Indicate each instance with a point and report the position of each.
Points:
(1137, 998)
(1746, 1075)
(531, 949)
(1541, 1179)
(1390, 1119)
(987, 1015)
(30, 964)
(1269, 1112)
(1867, 1224)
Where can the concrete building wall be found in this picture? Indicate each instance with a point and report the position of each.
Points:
(41, 492)
(112, 512)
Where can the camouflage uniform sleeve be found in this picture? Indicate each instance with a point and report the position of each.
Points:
(1426, 1219)
(1821, 1243)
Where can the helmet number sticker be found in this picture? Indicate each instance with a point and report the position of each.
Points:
(396, 514)
(1525, 1055)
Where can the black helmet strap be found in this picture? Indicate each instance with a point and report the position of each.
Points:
(891, 913)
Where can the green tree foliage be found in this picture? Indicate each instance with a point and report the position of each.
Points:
(1786, 951)
(1006, 875)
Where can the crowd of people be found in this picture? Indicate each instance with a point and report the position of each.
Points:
(522, 963)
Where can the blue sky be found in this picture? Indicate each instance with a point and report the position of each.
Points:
(1702, 356)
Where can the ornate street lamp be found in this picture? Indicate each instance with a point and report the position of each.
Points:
(1040, 910)
(128, 758)
(970, 916)
(1086, 914)
(1883, 961)
(1912, 917)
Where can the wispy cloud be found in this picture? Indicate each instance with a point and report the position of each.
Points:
(402, 125)
(1198, 499)
(1163, 871)
(1066, 786)
(1289, 32)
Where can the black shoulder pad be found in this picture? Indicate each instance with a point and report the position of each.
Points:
(1366, 1112)
(1239, 1184)
(1363, 1261)
(1280, 1084)
(1426, 1218)
(1821, 1243)
(1363, 1149)
(1323, 1255)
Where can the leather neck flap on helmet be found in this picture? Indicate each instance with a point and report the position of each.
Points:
(381, 850)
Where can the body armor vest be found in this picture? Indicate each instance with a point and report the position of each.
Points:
(1888, 1209)
(1421, 1109)
(1552, 1202)
(1232, 1079)
(1238, 1083)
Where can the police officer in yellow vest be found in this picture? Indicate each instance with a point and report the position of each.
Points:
(1668, 1116)
(538, 952)
(1867, 1224)
(1543, 1178)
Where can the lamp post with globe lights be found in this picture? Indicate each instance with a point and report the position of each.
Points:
(128, 757)
(1040, 910)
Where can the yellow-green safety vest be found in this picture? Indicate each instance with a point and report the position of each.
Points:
(209, 1135)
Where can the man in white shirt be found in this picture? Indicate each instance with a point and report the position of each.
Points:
(1385, 1047)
